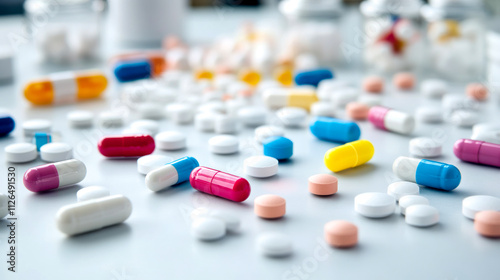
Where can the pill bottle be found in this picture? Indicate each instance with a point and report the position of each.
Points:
(456, 38)
(65, 31)
(392, 35)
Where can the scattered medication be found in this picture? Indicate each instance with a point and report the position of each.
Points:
(173, 173)
(269, 206)
(54, 175)
(434, 88)
(170, 140)
(205, 121)
(357, 111)
(429, 114)
(292, 116)
(136, 67)
(341, 234)
(225, 124)
(111, 119)
(391, 120)
(421, 215)
(146, 164)
(312, 77)
(180, 113)
(147, 125)
(208, 228)
(374, 204)
(224, 144)
(20, 152)
(323, 109)
(473, 204)
(7, 124)
(53, 152)
(323, 184)
(266, 131)
(221, 184)
(80, 119)
(464, 118)
(486, 223)
(373, 84)
(404, 81)
(4, 210)
(276, 98)
(274, 245)
(334, 130)
(477, 91)
(409, 200)
(91, 192)
(425, 147)
(278, 147)
(349, 155)
(126, 146)
(479, 152)
(260, 166)
(31, 127)
(252, 116)
(150, 110)
(402, 188)
(41, 138)
(488, 132)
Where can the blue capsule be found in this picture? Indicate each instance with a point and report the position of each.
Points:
(133, 70)
(41, 138)
(313, 77)
(335, 130)
(278, 147)
(7, 124)
(184, 166)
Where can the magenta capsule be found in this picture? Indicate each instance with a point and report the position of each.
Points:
(126, 146)
(477, 152)
(54, 175)
(220, 184)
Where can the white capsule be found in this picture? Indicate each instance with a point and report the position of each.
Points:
(421, 215)
(93, 214)
(374, 205)
(424, 147)
(224, 144)
(31, 127)
(402, 188)
(4, 208)
(252, 116)
(434, 88)
(170, 140)
(260, 166)
(225, 124)
(292, 116)
(409, 200)
(274, 244)
(148, 163)
(208, 229)
(56, 151)
(150, 126)
(266, 131)
(80, 119)
(20, 152)
(428, 114)
(476, 203)
(91, 192)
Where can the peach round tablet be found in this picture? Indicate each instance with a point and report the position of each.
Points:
(357, 110)
(477, 91)
(341, 234)
(404, 80)
(323, 184)
(373, 84)
(270, 206)
(487, 223)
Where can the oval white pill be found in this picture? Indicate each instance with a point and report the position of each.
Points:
(205, 121)
(476, 203)
(224, 144)
(225, 124)
(370, 100)
(265, 131)
(323, 109)
(464, 118)
(91, 192)
(20, 152)
(421, 215)
(150, 126)
(170, 140)
(150, 110)
(429, 114)
(261, 166)
(180, 113)
(111, 119)
(4, 210)
(56, 151)
(208, 229)
(292, 116)
(402, 188)
(80, 119)
(31, 127)
(374, 205)
(434, 88)
(231, 221)
(274, 244)
(409, 200)
(424, 147)
(148, 163)
(252, 116)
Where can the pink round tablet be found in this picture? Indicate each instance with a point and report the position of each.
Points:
(373, 84)
(357, 111)
(477, 91)
(487, 223)
(404, 80)
(341, 234)
(323, 184)
(270, 206)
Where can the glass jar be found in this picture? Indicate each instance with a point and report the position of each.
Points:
(65, 31)
(392, 35)
(456, 38)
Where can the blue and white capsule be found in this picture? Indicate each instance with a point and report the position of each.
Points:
(312, 77)
(7, 124)
(41, 138)
(170, 174)
(427, 173)
(335, 130)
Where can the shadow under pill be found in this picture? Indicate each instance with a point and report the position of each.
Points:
(97, 237)
(359, 170)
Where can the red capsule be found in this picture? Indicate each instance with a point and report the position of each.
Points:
(220, 184)
(126, 146)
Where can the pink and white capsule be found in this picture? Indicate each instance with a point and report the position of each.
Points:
(54, 175)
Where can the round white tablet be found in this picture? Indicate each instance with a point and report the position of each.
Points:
(224, 144)
(265, 131)
(207, 228)
(261, 166)
(80, 119)
(109, 119)
(146, 125)
(150, 110)
(274, 244)
(323, 109)
(56, 151)
(252, 116)
(374, 205)
(20, 152)
(4, 210)
(91, 192)
(148, 163)
(409, 200)
(421, 215)
(170, 140)
(292, 116)
(434, 88)
(425, 147)
(205, 121)
(231, 221)
(402, 188)
(225, 124)
(464, 118)
(180, 113)
(429, 114)
(31, 127)
(476, 203)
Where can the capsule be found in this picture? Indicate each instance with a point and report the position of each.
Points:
(427, 173)
(7, 124)
(220, 184)
(391, 120)
(477, 152)
(93, 214)
(126, 146)
(54, 175)
(139, 66)
(66, 87)
(335, 130)
(349, 155)
(172, 173)
(276, 98)
(41, 138)
(313, 77)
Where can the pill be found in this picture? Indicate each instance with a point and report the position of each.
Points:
(269, 206)
(250, 77)
(485, 127)
(225, 124)
(391, 120)
(428, 173)
(93, 214)
(328, 86)
(53, 152)
(464, 118)
(486, 223)
(91, 192)
(477, 91)
(204, 74)
(312, 77)
(180, 113)
(278, 147)
(173, 173)
(111, 119)
(323, 109)
(231, 221)
(80, 119)
(274, 245)
(334, 130)
(292, 116)
(479, 152)
(149, 110)
(37, 125)
(20, 152)
(252, 116)
(126, 146)
(133, 70)
(374, 204)
(409, 200)
(7, 124)
(370, 100)
(434, 88)
(344, 96)
(421, 215)
(224, 144)
(373, 84)
(276, 98)
(284, 76)
(401, 189)
(54, 175)
(404, 81)
(341, 234)
(265, 131)
(208, 229)
(476, 203)
(147, 125)
(357, 111)
(170, 140)
(260, 166)
(221, 184)
(66, 87)
(491, 136)
(146, 164)
(424, 147)
(323, 184)
(349, 155)
(4, 210)
(429, 114)
(205, 121)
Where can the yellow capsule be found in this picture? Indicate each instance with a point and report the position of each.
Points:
(276, 98)
(284, 76)
(204, 75)
(250, 77)
(66, 87)
(349, 155)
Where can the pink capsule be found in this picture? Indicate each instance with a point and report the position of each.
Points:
(54, 175)
(477, 152)
(220, 184)
(126, 146)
